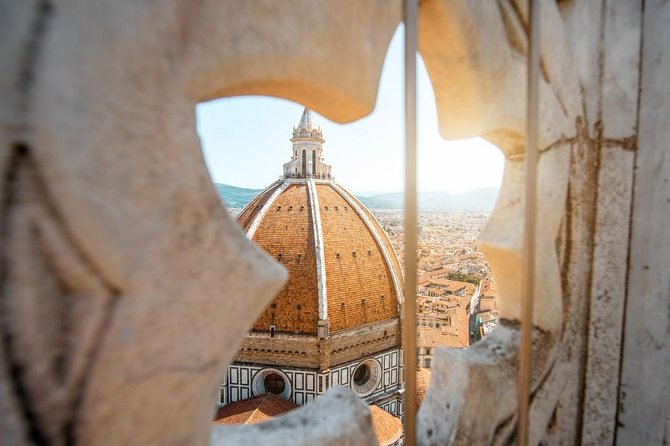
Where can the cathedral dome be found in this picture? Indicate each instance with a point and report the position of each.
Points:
(343, 270)
(337, 321)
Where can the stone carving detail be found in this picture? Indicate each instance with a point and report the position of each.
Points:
(127, 287)
(54, 307)
(491, 65)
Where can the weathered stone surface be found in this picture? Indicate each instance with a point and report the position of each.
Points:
(495, 109)
(479, 78)
(644, 401)
(446, 416)
(618, 94)
(596, 90)
(125, 307)
(607, 295)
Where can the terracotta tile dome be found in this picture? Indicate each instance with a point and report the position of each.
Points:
(342, 266)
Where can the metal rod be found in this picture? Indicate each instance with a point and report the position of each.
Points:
(532, 123)
(411, 11)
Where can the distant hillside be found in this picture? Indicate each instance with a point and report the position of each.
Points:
(477, 200)
(375, 202)
(236, 197)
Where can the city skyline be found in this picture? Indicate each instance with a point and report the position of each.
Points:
(254, 131)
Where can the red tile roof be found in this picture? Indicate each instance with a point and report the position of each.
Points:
(433, 337)
(422, 381)
(286, 234)
(358, 278)
(359, 282)
(260, 408)
(253, 410)
(387, 427)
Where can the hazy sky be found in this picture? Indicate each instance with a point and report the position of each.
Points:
(246, 140)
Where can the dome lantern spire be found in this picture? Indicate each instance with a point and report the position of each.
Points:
(307, 128)
(306, 120)
(307, 154)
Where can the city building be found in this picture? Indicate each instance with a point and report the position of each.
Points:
(337, 320)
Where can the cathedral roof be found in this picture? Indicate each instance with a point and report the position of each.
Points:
(260, 408)
(342, 266)
(422, 380)
(388, 428)
(451, 338)
(254, 410)
(343, 270)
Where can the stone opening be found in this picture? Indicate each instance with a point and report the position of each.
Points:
(362, 375)
(274, 383)
(369, 306)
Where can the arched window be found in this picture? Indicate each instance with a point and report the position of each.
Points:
(313, 162)
(304, 162)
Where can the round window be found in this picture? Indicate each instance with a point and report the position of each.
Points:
(274, 383)
(271, 381)
(366, 377)
(362, 374)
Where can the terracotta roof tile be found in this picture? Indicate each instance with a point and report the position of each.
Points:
(387, 427)
(358, 280)
(261, 408)
(253, 208)
(253, 410)
(422, 380)
(385, 239)
(433, 337)
(286, 234)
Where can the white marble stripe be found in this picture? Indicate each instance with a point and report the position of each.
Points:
(354, 204)
(318, 246)
(259, 217)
